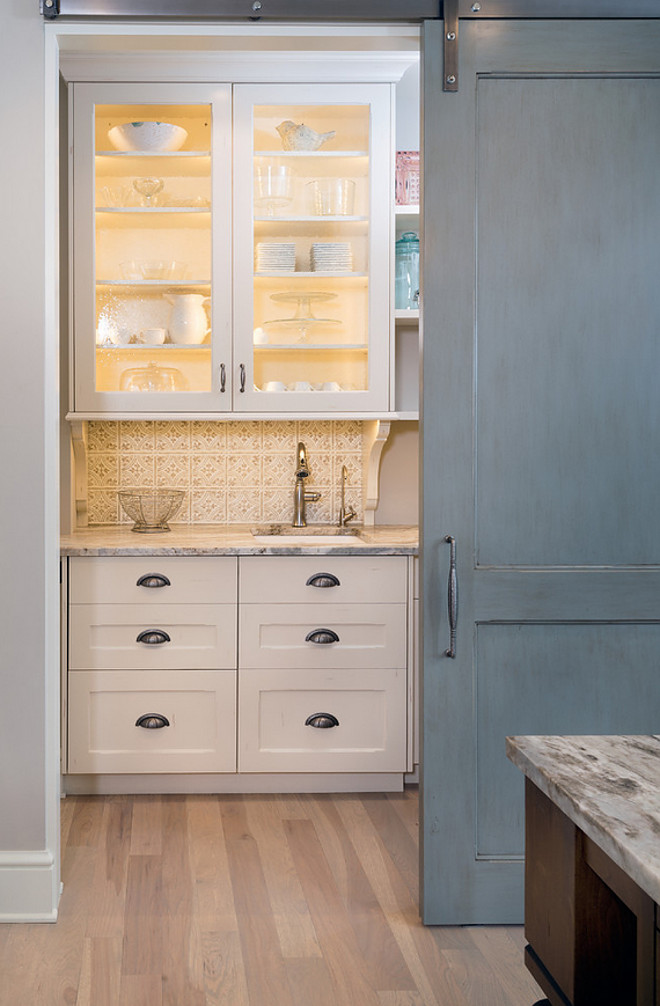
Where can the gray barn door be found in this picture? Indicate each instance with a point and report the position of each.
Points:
(541, 423)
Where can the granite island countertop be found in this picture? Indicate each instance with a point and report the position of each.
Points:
(232, 539)
(609, 786)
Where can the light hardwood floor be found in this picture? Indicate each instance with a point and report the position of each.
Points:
(251, 901)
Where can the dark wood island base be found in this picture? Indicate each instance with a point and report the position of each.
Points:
(592, 931)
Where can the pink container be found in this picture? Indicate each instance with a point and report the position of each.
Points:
(407, 177)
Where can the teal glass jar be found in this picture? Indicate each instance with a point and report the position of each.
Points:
(406, 272)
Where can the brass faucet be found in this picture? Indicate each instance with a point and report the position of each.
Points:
(345, 513)
(301, 496)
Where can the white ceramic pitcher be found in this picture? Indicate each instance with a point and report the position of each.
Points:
(188, 324)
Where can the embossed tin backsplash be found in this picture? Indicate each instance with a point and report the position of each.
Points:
(233, 473)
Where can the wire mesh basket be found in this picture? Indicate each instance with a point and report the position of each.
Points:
(151, 508)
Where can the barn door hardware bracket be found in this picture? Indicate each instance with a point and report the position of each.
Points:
(49, 8)
(450, 46)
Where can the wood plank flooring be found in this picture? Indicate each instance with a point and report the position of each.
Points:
(284, 900)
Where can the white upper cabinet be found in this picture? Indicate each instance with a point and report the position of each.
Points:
(151, 250)
(232, 260)
(312, 247)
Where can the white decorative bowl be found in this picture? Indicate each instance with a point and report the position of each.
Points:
(147, 136)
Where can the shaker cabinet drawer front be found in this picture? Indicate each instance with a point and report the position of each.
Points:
(315, 721)
(152, 636)
(323, 579)
(153, 580)
(152, 721)
(282, 636)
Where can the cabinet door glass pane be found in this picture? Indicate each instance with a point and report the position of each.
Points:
(311, 175)
(153, 247)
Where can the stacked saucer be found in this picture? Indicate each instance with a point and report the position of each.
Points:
(276, 256)
(331, 256)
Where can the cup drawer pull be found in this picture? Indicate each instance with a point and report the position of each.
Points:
(152, 721)
(322, 721)
(154, 580)
(323, 580)
(322, 636)
(153, 637)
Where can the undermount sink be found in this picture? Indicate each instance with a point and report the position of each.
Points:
(281, 534)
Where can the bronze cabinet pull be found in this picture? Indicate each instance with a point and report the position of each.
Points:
(153, 637)
(322, 721)
(323, 580)
(154, 580)
(322, 636)
(152, 721)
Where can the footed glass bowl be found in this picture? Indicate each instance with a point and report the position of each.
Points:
(151, 508)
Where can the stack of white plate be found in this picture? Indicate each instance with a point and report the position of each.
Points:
(331, 256)
(276, 256)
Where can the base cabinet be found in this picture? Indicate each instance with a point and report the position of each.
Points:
(306, 720)
(173, 668)
(152, 721)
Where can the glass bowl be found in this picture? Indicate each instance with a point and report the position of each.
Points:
(151, 136)
(151, 508)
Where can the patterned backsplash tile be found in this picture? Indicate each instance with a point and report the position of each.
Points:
(233, 473)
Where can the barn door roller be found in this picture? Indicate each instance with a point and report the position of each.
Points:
(450, 82)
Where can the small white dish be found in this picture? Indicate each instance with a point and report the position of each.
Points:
(153, 336)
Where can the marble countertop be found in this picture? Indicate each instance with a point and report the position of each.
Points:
(232, 539)
(609, 787)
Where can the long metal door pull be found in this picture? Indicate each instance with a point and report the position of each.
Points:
(452, 596)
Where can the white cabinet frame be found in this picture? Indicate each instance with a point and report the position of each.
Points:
(85, 396)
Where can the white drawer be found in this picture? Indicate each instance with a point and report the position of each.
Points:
(379, 579)
(197, 635)
(369, 707)
(282, 636)
(184, 579)
(104, 707)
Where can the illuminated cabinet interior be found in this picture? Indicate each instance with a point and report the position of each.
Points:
(232, 249)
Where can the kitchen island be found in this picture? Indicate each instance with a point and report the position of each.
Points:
(592, 867)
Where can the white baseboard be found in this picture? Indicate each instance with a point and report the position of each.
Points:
(29, 889)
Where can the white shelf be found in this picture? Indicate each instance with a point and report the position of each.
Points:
(158, 283)
(406, 210)
(310, 219)
(306, 347)
(318, 274)
(153, 209)
(412, 315)
(135, 347)
(311, 153)
(153, 153)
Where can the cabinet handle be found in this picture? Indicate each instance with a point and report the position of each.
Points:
(323, 580)
(154, 580)
(322, 721)
(322, 636)
(452, 597)
(223, 378)
(152, 721)
(153, 637)
(243, 378)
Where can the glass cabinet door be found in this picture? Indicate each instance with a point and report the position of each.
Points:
(151, 248)
(312, 186)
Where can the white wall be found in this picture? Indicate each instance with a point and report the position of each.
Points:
(28, 586)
